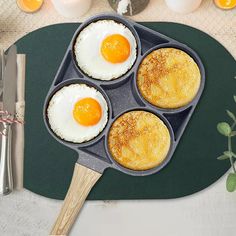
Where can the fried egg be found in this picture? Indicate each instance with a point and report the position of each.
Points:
(105, 50)
(77, 113)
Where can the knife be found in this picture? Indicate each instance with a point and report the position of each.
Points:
(2, 66)
(9, 99)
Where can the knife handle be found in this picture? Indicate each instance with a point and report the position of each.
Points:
(6, 181)
(82, 181)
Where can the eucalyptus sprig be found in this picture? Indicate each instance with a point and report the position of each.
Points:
(228, 130)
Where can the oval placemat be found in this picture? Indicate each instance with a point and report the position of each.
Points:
(49, 165)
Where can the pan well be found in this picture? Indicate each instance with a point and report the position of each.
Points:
(168, 78)
(105, 49)
(139, 140)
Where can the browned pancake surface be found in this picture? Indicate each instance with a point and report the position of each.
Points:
(168, 78)
(139, 140)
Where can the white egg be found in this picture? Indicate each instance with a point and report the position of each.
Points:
(88, 50)
(60, 113)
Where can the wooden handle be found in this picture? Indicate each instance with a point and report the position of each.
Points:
(82, 181)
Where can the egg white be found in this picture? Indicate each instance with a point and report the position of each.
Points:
(60, 113)
(88, 50)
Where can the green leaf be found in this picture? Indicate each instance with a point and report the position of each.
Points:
(228, 153)
(231, 115)
(224, 128)
(235, 98)
(231, 182)
(234, 156)
(233, 133)
(222, 157)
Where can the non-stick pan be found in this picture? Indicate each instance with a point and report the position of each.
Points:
(122, 95)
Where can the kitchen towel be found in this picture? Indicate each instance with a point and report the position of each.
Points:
(18, 129)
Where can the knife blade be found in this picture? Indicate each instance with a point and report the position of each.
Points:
(2, 65)
(8, 99)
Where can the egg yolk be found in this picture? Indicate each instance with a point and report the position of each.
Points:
(87, 111)
(115, 48)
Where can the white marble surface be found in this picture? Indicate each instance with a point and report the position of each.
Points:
(210, 212)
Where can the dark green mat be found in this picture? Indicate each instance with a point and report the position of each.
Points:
(49, 165)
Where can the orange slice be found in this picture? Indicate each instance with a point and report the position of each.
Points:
(225, 4)
(29, 5)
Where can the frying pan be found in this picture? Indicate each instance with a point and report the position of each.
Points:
(121, 95)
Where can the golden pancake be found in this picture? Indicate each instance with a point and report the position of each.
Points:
(168, 78)
(139, 140)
